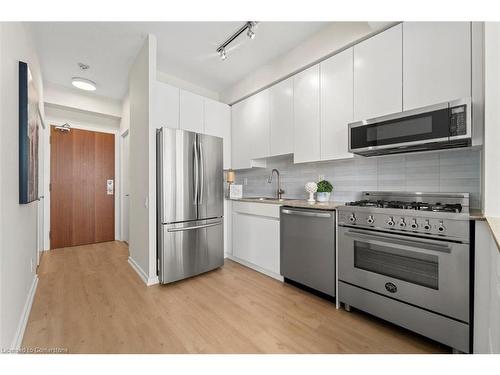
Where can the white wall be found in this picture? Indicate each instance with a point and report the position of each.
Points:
(19, 222)
(492, 116)
(324, 43)
(185, 85)
(78, 99)
(142, 244)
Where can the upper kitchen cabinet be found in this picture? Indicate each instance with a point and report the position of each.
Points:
(436, 62)
(378, 75)
(250, 130)
(281, 118)
(306, 112)
(191, 112)
(165, 101)
(336, 105)
(218, 123)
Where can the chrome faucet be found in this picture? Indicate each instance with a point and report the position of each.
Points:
(279, 190)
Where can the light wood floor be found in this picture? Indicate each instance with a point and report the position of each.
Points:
(89, 300)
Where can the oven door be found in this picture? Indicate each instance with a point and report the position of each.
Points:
(430, 274)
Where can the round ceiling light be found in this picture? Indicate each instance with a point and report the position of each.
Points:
(83, 84)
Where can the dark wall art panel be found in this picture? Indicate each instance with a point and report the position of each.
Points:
(29, 126)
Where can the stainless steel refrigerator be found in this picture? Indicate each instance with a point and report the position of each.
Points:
(190, 235)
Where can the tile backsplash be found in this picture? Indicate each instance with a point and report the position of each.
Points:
(443, 171)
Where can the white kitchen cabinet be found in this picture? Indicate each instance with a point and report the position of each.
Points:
(191, 115)
(256, 236)
(436, 62)
(378, 75)
(165, 104)
(336, 105)
(281, 118)
(486, 291)
(306, 112)
(250, 131)
(218, 123)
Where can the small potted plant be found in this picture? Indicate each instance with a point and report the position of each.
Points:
(324, 190)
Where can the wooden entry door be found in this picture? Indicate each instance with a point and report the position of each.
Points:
(82, 207)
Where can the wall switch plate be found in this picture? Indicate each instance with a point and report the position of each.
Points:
(31, 265)
(321, 177)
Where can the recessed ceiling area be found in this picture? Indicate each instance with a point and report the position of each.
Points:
(186, 50)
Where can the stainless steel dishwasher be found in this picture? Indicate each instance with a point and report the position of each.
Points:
(307, 248)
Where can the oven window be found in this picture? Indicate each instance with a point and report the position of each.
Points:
(411, 266)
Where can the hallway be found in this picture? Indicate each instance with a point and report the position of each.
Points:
(89, 300)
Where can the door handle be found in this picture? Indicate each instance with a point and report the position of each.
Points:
(305, 213)
(420, 244)
(194, 227)
(202, 172)
(195, 173)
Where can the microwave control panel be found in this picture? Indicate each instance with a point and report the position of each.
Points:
(458, 121)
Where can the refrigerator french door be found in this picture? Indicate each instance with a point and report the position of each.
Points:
(190, 238)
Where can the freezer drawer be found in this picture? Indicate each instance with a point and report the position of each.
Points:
(188, 249)
(307, 244)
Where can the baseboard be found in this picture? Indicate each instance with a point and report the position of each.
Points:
(255, 267)
(144, 277)
(21, 327)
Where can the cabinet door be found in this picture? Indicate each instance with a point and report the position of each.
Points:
(378, 75)
(250, 131)
(191, 112)
(257, 240)
(258, 124)
(240, 144)
(218, 123)
(336, 105)
(165, 106)
(281, 117)
(306, 112)
(436, 62)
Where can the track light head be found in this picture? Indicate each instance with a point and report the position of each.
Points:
(222, 53)
(250, 32)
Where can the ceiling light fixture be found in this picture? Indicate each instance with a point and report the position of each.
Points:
(83, 84)
(249, 27)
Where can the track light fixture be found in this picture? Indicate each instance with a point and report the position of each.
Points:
(249, 27)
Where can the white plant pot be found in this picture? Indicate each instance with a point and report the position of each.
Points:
(323, 197)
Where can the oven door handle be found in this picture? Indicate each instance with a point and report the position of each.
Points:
(420, 244)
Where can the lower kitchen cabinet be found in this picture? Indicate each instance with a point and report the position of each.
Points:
(256, 236)
(486, 291)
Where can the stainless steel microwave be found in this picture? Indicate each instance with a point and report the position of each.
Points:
(437, 126)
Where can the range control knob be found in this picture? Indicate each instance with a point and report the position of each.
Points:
(427, 226)
(414, 224)
(441, 227)
(370, 219)
(390, 222)
(352, 218)
(402, 223)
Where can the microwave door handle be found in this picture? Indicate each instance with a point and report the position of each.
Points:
(380, 239)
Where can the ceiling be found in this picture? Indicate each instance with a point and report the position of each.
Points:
(186, 50)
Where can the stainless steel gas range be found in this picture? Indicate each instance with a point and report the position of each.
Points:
(405, 257)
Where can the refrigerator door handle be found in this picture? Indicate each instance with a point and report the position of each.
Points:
(194, 227)
(202, 172)
(195, 172)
